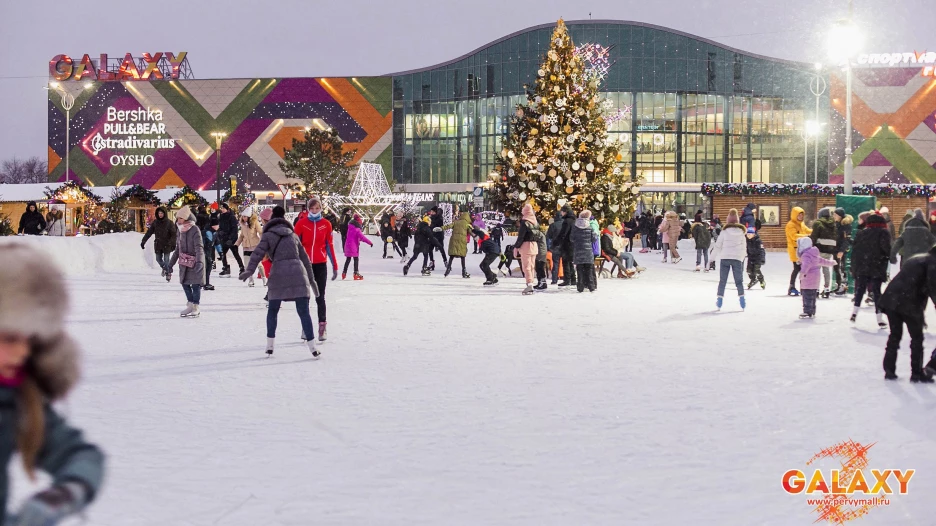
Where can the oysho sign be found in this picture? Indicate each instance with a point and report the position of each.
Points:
(123, 131)
(63, 67)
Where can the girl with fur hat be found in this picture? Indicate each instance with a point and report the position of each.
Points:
(38, 366)
(292, 277)
(525, 248)
(190, 253)
(670, 230)
(731, 249)
(352, 246)
(249, 238)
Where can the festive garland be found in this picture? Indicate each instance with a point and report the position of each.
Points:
(74, 191)
(141, 194)
(186, 196)
(819, 190)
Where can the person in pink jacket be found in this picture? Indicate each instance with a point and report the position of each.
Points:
(811, 264)
(352, 247)
(670, 229)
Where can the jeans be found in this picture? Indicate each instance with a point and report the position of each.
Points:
(302, 308)
(809, 301)
(162, 259)
(629, 260)
(839, 269)
(915, 328)
(320, 273)
(235, 251)
(643, 241)
(826, 272)
(486, 266)
(192, 293)
(872, 286)
(347, 261)
(732, 266)
(701, 253)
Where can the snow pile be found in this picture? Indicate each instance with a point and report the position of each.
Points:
(81, 256)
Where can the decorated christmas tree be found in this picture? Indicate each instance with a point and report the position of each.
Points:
(558, 150)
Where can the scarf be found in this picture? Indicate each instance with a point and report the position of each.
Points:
(186, 226)
(15, 381)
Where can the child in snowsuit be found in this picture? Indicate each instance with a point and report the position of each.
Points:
(491, 251)
(810, 264)
(583, 237)
(904, 302)
(756, 256)
(352, 247)
(506, 259)
(39, 365)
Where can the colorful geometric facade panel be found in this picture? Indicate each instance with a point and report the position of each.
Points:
(893, 126)
(159, 133)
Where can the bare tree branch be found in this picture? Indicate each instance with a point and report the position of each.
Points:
(17, 171)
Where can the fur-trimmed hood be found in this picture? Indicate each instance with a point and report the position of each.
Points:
(33, 303)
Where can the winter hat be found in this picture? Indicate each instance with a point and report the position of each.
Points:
(226, 206)
(825, 212)
(840, 212)
(184, 213)
(33, 303)
(751, 230)
(313, 200)
(426, 220)
(802, 245)
(884, 210)
(528, 214)
(247, 212)
(918, 214)
(356, 217)
(733, 215)
(266, 214)
(585, 214)
(278, 212)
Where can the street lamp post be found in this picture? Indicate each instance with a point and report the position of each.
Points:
(818, 90)
(219, 139)
(844, 40)
(68, 102)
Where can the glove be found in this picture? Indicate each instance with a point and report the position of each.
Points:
(52, 505)
(244, 276)
(142, 246)
(334, 274)
(437, 229)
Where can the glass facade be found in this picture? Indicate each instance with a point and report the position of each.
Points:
(700, 112)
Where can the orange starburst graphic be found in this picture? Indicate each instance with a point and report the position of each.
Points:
(853, 457)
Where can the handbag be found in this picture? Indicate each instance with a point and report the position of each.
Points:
(186, 260)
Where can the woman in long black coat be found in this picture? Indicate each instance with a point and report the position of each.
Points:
(31, 222)
(870, 256)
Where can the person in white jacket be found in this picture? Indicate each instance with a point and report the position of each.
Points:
(731, 249)
(56, 227)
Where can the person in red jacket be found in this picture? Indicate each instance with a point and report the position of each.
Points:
(315, 232)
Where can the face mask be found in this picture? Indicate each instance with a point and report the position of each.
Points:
(315, 217)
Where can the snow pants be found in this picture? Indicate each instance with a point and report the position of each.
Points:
(809, 301)
(587, 278)
(302, 308)
(915, 328)
(486, 266)
(754, 273)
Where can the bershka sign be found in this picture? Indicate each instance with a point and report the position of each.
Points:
(897, 60)
(123, 131)
(63, 67)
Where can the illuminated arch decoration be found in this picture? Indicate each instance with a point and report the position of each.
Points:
(370, 194)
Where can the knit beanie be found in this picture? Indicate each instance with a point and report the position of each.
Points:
(825, 212)
(802, 245)
(840, 212)
(184, 213)
(266, 214)
(278, 212)
(247, 212)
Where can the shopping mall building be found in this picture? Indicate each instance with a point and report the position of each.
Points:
(694, 111)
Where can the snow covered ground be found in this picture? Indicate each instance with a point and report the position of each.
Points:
(438, 401)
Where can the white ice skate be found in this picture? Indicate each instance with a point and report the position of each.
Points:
(195, 312)
(315, 352)
(269, 347)
(188, 310)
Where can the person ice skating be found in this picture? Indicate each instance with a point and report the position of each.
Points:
(386, 234)
(540, 260)
(630, 230)
(903, 222)
(292, 277)
(346, 217)
(904, 302)
(39, 365)
(497, 233)
(477, 223)
(843, 244)
(31, 222)
(870, 257)
(702, 236)
(249, 237)
(491, 251)
(915, 239)
(885, 213)
(730, 249)
(190, 253)
(824, 237)
(458, 243)
(204, 222)
(583, 237)
(643, 228)
(352, 247)
(164, 241)
(227, 234)
(436, 222)
(670, 230)
(525, 248)
(424, 242)
(565, 247)
(403, 233)
(795, 229)
(756, 257)
(315, 232)
(811, 261)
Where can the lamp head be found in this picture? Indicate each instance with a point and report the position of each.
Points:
(845, 39)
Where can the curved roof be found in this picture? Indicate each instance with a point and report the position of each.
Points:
(584, 22)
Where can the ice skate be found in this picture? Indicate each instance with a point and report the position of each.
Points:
(750, 284)
(163, 273)
(225, 273)
(854, 315)
(322, 333)
(890, 375)
(826, 294)
(195, 312)
(640, 269)
(528, 290)
(466, 275)
(698, 268)
(448, 270)
(168, 277)
(540, 286)
(358, 277)
(880, 321)
(805, 316)
(208, 287)
(743, 302)
(792, 291)
(315, 352)
(763, 284)
(920, 378)
(677, 259)
(188, 310)
(718, 303)
(841, 290)
(629, 273)
(269, 347)
(426, 272)
(405, 269)
(344, 276)
(250, 282)
(488, 283)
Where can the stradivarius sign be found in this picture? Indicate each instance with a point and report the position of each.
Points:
(132, 130)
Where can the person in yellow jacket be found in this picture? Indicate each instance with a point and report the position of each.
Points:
(795, 229)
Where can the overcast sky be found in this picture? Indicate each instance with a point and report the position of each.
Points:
(302, 38)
